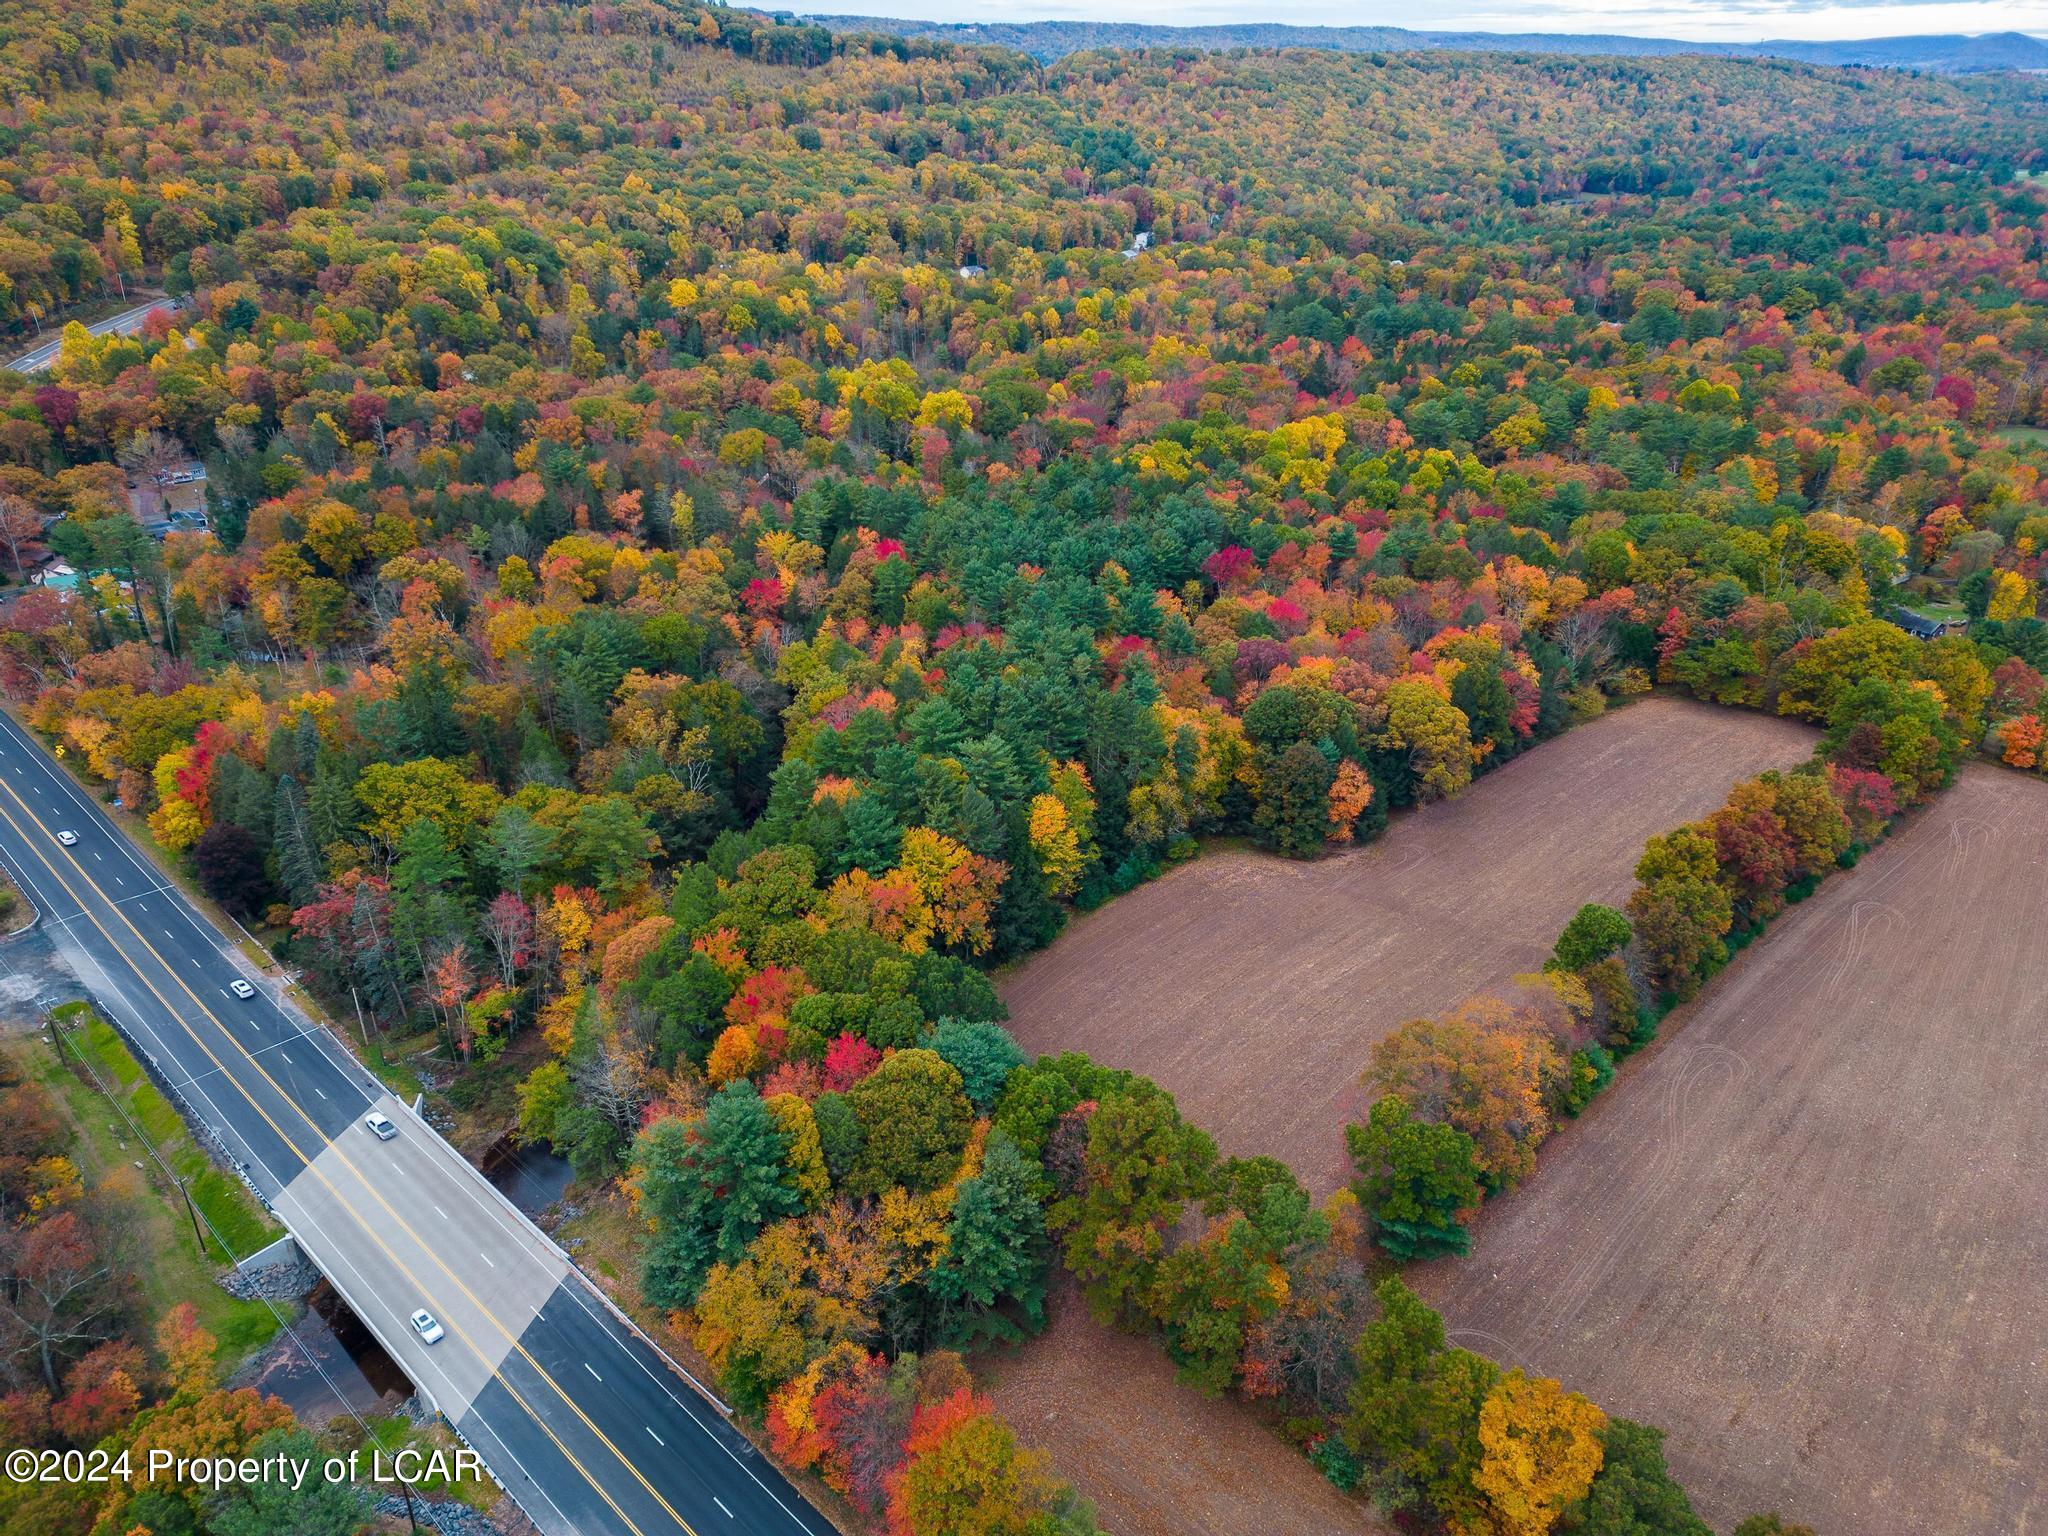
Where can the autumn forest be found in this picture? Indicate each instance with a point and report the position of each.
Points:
(715, 538)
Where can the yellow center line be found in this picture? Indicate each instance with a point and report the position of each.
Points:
(342, 1153)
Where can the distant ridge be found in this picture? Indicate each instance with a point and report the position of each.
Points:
(1951, 53)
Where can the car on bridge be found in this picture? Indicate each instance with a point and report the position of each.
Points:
(68, 838)
(380, 1125)
(427, 1326)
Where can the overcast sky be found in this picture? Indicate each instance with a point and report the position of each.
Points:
(1705, 20)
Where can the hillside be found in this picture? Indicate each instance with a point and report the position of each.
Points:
(1049, 40)
(721, 536)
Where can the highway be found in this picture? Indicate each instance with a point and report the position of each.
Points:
(586, 1425)
(126, 323)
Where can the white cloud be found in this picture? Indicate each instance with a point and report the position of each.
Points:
(1720, 21)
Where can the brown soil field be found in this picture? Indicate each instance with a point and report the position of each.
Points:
(1253, 988)
(1806, 1233)
(1157, 1459)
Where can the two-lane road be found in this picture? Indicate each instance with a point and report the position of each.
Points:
(127, 323)
(588, 1427)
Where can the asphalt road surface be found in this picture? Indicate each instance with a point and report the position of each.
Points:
(583, 1422)
(124, 324)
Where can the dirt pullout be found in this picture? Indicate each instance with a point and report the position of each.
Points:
(1253, 988)
(1806, 1234)
(1157, 1459)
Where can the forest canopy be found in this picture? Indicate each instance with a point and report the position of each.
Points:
(716, 533)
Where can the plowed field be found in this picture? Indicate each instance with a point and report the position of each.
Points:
(1808, 1234)
(1253, 988)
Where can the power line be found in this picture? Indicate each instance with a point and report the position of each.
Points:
(284, 1326)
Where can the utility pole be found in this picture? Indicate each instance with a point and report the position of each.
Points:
(57, 1039)
(194, 1214)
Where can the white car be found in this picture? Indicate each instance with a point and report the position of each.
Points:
(241, 988)
(68, 838)
(427, 1326)
(380, 1125)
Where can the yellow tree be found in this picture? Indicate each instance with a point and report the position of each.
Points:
(176, 822)
(1055, 846)
(1436, 735)
(946, 409)
(805, 1159)
(187, 1350)
(955, 886)
(624, 955)
(1539, 1450)
(734, 1055)
(395, 795)
(121, 243)
(764, 1319)
(2012, 598)
(967, 1476)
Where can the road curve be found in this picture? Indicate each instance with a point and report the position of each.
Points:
(587, 1426)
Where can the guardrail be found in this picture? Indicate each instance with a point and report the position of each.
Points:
(625, 1319)
(204, 1133)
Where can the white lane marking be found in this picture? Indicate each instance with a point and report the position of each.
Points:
(167, 934)
(370, 1294)
(469, 1181)
(721, 1504)
(284, 1058)
(485, 1257)
(481, 1423)
(277, 1046)
(394, 1162)
(96, 854)
(500, 1211)
(220, 1122)
(657, 1439)
(635, 1348)
(476, 1195)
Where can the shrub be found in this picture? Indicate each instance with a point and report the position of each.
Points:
(1594, 933)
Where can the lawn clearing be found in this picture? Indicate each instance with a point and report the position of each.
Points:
(1253, 988)
(167, 1267)
(1804, 1234)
